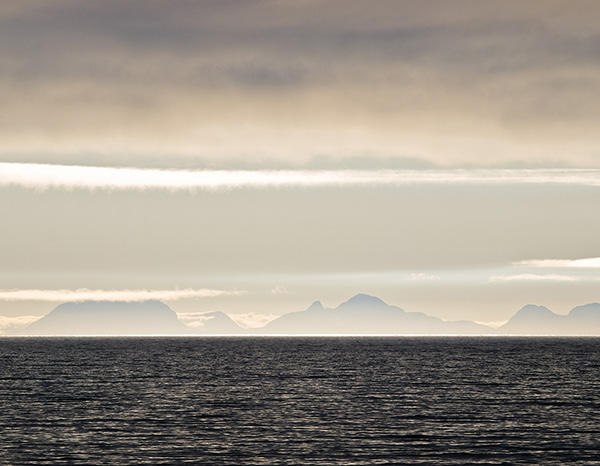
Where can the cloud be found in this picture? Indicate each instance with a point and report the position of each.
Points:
(47, 176)
(588, 263)
(443, 83)
(244, 320)
(194, 319)
(8, 324)
(529, 277)
(84, 294)
(493, 324)
(252, 319)
(279, 289)
(425, 277)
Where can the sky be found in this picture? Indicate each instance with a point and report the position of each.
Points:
(254, 156)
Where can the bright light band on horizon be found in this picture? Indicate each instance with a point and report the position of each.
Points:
(47, 176)
(85, 294)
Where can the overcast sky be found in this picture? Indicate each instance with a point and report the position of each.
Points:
(442, 155)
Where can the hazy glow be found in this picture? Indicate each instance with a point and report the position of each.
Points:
(45, 176)
(84, 294)
(589, 263)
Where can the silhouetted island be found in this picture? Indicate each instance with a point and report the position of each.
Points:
(109, 318)
(360, 315)
(539, 320)
(364, 314)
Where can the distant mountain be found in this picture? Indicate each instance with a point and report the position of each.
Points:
(588, 314)
(533, 319)
(539, 320)
(108, 318)
(364, 314)
(360, 315)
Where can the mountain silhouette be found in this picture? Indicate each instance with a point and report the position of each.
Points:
(588, 313)
(532, 319)
(365, 314)
(539, 320)
(360, 315)
(363, 301)
(108, 318)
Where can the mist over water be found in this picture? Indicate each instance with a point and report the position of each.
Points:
(325, 401)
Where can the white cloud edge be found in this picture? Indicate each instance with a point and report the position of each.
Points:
(84, 294)
(531, 277)
(11, 323)
(587, 263)
(194, 319)
(48, 176)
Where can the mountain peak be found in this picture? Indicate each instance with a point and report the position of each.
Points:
(532, 319)
(586, 311)
(363, 300)
(533, 310)
(316, 306)
(108, 318)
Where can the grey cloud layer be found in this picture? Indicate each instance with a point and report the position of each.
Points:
(438, 80)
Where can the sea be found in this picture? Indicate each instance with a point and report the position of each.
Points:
(299, 401)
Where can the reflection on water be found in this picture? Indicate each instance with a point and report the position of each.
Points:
(346, 401)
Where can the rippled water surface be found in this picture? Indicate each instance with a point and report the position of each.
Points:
(346, 401)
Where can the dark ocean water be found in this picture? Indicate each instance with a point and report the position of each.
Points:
(343, 401)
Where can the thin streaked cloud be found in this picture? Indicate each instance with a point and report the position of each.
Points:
(85, 294)
(532, 277)
(588, 263)
(279, 289)
(423, 277)
(47, 176)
